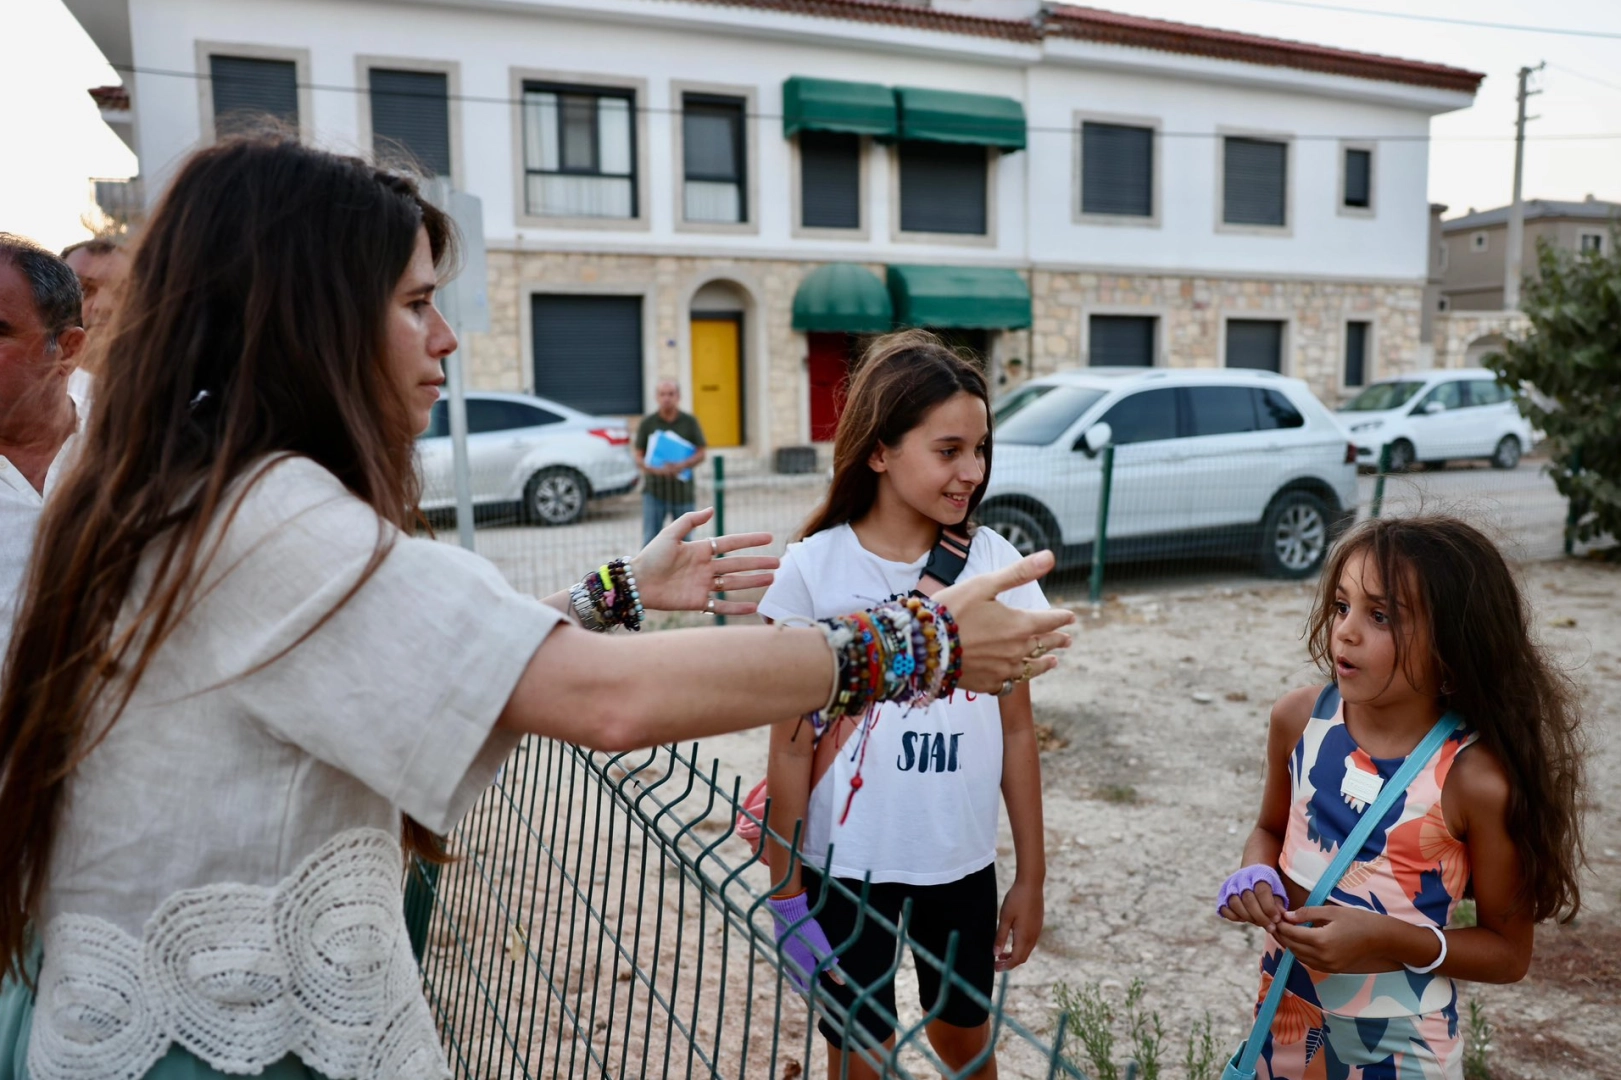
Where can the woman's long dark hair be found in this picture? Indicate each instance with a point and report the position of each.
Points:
(899, 379)
(1491, 671)
(252, 325)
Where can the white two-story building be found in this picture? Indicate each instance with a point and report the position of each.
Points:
(731, 193)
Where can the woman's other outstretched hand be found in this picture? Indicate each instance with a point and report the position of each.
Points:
(677, 574)
(1001, 643)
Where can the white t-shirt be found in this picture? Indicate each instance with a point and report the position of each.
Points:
(227, 866)
(931, 778)
(20, 510)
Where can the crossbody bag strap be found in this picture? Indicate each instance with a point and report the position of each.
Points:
(946, 561)
(1375, 813)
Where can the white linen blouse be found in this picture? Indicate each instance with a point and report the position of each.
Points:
(227, 872)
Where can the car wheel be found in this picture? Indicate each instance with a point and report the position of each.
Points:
(555, 497)
(1401, 456)
(1294, 535)
(1507, 454)
(1018, 527)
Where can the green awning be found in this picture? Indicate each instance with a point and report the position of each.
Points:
(952, 117)
(831, 105)
(959, 297)
(843, 297)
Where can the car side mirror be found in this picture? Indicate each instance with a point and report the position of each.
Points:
(1435, 407)
(1095, 438)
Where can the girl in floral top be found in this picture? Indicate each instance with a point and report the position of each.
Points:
(1415, 618)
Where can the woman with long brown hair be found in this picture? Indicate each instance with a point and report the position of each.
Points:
(236, 676)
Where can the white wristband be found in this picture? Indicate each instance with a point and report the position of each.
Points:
(1439, 960)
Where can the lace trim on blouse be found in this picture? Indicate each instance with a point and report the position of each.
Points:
(319, 966)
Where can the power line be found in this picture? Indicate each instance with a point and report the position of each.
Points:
(1518, 28)
(479, 99)
(1584, 75)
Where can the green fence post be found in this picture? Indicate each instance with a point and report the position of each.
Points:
(1100, 541)
(1572, 514)
(420, 886)
(720, 513)
(1379, 484)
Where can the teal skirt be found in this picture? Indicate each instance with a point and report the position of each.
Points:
(17, 1019)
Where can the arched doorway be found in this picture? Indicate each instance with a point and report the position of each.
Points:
(1482, 347)
(718, 390)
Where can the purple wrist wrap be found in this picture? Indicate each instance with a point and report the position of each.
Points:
(1246, 879)
(804, 944)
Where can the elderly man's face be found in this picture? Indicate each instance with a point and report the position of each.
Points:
(100, 278)
(28, 362)
(669, 397)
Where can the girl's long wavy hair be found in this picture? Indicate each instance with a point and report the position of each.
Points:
(1491, 671)
(252, 326)
(900, 377)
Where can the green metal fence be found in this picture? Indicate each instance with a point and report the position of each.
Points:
(604, 920)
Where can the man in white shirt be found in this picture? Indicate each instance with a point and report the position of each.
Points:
(40, 336)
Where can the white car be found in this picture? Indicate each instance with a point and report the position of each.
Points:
(547, 458)
(1220, 461)
(1432, 417)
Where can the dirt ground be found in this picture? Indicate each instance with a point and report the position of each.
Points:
(1159, 717)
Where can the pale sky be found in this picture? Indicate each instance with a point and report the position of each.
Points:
(54, 139)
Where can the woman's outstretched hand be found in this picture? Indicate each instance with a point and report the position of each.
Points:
(677, 574)
(1001, 643)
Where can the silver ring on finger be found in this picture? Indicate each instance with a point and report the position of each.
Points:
(720, 584)
(709, 606)
(714, 549)
(1007, 688)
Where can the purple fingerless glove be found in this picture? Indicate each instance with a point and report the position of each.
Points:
(802, 945)
(1246, 879)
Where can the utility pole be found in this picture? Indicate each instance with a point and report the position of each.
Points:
(1514, 249)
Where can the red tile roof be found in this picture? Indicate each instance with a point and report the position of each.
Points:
(1112, 28)
(111, 98)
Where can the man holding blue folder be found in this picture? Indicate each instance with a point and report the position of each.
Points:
(668, 444)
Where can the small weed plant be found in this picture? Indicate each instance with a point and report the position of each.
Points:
(1477, 1044)
(1090, 1017)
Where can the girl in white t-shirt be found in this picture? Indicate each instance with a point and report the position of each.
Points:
(911, 796)
(238, 679)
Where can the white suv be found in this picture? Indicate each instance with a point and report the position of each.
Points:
(1438, 416)
(1216, 461)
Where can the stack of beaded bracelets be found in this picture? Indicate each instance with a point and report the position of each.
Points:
(905, 650)
(608, 598)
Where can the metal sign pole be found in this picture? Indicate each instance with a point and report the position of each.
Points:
(462, 302)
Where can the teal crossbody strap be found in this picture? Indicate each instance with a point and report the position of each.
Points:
(1343, 858)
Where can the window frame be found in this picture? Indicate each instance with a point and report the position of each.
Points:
(1160, 315)
(1371, 210)
(1287, 229)
(637, 90)
(1582, 239)
(1286, 346)
(1485, 242)
(1155, 126)
(300, 59)
(450, 69)
(796, 179)
(746, 96)
(987, 239)
(1369, 351)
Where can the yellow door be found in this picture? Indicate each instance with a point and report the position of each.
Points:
(717, 380)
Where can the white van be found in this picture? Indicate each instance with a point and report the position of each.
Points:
(1223, 462)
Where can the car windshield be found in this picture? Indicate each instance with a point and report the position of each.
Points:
(1382, 396)
(1036, 415)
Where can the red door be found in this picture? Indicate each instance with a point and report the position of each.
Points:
(829, 371)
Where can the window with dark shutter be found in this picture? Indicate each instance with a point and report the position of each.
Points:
(1255, 182)
(1255, 343)
(943, 188)
(410, 117)
(588, 351)
(1359, 179)
(1117, 170)
(247, 90)
(713, 158)
(1356, 353)
(1121, 340)
(829, 180)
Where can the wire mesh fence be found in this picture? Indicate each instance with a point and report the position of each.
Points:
(606, 920)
